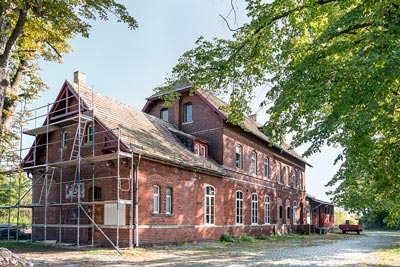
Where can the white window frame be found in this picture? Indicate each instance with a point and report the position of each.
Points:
(89, 134)
(239, 151)
(266, 167)
(253, 166)
(168, 200)
(294, 212)
(197, 149)
(156, 199)
(254, 209)
(287, 175)
(209, 206)
(295, 178)
(64, 139)
(267, 210)
(278, 173)
(163, 112)
(301, 180)
(203, 151)
(239, 208)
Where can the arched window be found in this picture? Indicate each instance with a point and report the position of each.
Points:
(253, 168)
(89, 134)
(266, 210)
(164, 114)
(278, 173)
(239, 207)
(168, 200)
(187, 112)
(239, 159)
(294, 212)
(156, 199)
(301, 180)
(254, 208)
(295, 178)
(209, 205)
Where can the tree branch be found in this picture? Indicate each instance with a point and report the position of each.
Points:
(16, 33)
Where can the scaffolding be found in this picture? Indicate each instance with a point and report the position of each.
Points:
(70, 173)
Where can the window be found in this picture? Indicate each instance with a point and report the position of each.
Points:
(266, 210)
(239, 161)
(156, 199)
(239, 207)
(197, 149)
(253, 166)
(209, 205)
(254, 208)
(203, 151)
(89, 134)
(295, 178)
(164, 114)
(168, 200)
(187, 112)
(64, 139)
(288, 212)
(294, 212)
(266, 168)
(280, 212)
(97, 193)
(287, 175)
(278, 171)
(301, 180)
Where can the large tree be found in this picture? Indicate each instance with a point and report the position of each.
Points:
(333, 70)
(33, 29)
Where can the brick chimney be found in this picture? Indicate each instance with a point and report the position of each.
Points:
(80, 78)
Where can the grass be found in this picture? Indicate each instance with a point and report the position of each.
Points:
(21, 244)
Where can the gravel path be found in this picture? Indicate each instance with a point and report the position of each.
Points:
(343, 250)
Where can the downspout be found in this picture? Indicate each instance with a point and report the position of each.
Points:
(137, 203)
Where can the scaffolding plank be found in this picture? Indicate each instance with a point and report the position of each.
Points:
(41, 130)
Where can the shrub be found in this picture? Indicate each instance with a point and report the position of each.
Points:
(226, 237)
(246, 238)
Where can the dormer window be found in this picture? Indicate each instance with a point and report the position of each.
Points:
(164, 114)
(200, 149)
(187, 112)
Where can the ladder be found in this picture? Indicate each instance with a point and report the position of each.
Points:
(79, 136)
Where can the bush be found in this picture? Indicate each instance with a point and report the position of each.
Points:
(226, 237)
(246, 238)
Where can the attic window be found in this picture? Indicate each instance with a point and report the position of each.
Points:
(164, 114)
(200, 149)
(187, 112)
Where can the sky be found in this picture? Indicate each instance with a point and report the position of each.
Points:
(127, 65)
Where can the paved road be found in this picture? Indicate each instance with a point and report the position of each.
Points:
(349, 251)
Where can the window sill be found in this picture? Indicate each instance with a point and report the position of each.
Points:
(162, 214)
(187, 122)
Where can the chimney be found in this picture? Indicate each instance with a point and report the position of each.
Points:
(253, 117)
(80, 78)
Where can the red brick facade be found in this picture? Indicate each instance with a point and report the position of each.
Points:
(191, 219)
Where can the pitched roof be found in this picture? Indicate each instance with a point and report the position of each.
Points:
(143, 133)
(248, 124)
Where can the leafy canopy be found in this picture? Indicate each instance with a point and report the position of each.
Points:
(33, 29)
(333, 66)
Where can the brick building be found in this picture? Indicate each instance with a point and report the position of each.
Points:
(105, 173)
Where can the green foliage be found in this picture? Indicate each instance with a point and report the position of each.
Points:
(333, 69)
(246, 238)
(34, 29)
(340, 217)
(226, 237)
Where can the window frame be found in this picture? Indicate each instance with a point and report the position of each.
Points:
(253, 163)
(267, 210)
(266, 167)
(239, 161)
(156, 199)
(164, 111)
(168, 200)
(89, 134)
(239, 208)
(278, 173)
(287, 175)
(294, 212)
(186, 113)
(64, 140)
(254, 209)
(197, 149)
(209, 206)
(295, 178)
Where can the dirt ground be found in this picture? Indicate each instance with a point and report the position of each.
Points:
(317, 250)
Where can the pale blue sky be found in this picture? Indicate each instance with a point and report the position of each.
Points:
(127, 65)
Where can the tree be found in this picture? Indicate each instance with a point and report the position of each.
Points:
(332, 66)
(33, 29)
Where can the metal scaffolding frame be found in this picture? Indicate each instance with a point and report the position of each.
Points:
(48, 172)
